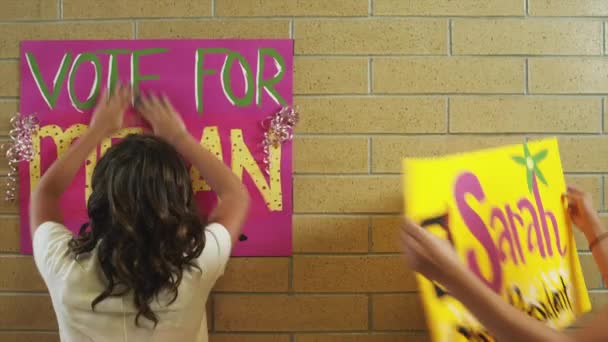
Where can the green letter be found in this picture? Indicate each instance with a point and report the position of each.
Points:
(49, 98)
(113, 66)
(135, 76)
(94, 92)
(199, 73)
(268, 85)
(227, 81)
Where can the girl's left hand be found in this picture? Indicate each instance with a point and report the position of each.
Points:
(109, 114)
(427, 254)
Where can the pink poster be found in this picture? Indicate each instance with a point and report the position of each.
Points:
(224, 89)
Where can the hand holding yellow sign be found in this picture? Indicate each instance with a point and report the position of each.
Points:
(502, 211)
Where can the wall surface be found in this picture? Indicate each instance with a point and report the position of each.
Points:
(375, 80)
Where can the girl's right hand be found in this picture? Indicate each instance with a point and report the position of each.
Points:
(582, 213)
(162, 116)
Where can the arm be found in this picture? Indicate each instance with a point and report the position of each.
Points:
(504, 321)
(233, 204)
(436, 260)
(584, 216)
(44, 202)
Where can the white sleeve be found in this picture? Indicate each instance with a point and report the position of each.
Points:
(51, 251)
(216, 253)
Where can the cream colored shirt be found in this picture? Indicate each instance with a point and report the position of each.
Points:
(73, 284)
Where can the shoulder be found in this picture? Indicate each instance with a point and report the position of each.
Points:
(51, 250)
(218, 246)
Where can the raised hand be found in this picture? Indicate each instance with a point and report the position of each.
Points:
(108, 116)
(162, 116)
(582, 213)
(427, 254)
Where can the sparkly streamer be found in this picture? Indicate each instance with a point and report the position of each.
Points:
(279, 128)
(19, 149)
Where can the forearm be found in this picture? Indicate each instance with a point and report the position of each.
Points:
(504, 321)
(219, 177)
(600, 247)
(59, 176)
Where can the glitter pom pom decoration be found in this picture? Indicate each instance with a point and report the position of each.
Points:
(279, 128)
(20, 148)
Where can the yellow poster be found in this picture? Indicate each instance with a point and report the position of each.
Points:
(502, 210)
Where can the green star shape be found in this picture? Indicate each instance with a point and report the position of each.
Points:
(531, 163)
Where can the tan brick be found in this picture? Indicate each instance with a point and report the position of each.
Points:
(4, 167)
(449, 7)
(18, 312)
(376, 337)
(9, 82)
(386, 114)
(397, 312)
(566, 8)
(590, 184)
(8, 207)
(287, 313)
(135, 8)
(388, 152)
(371, 36)
(593, 278)
(568, 75)
(330, 234)
(330, 75)
(9, 233)
(12, 34)
(606, 196)
(24, 336)
(580, 153)
(448, 75)
(331, 155)
(338, 194)
(524, 114)
(280, 8)
(28, 10)
(209, 29)
(19, 273)
(8, 108)
(255, 275)
(248, 338)
(351, 274)
(385, 234)
(599, 299)
(526, 37)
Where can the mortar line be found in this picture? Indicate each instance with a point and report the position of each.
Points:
(603, 40)
(328, 18)
(370, 79)
(602, 113)
(526, 78)
(370, 313)
(369, 156)
(370, 236)
(447, 115)
(450, 21)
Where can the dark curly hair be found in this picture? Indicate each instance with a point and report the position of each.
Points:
(143, 220)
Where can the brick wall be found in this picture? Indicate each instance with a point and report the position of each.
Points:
(376, 80)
